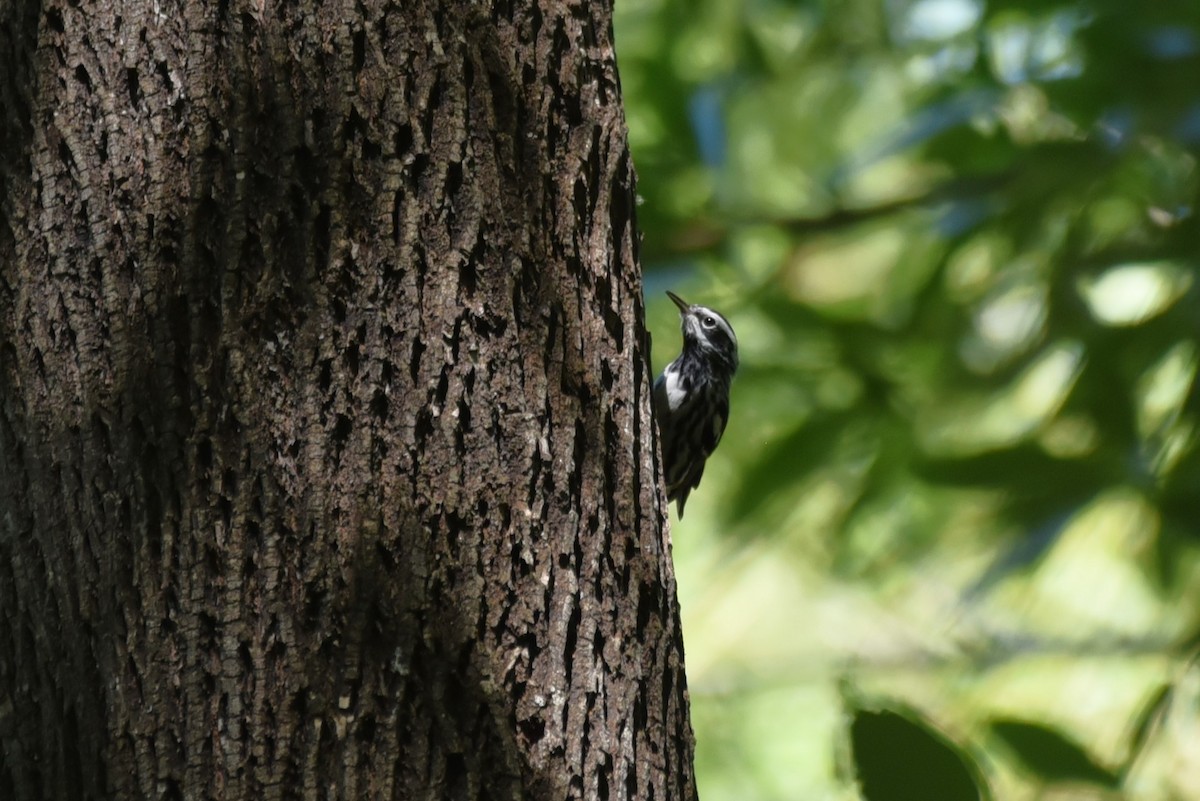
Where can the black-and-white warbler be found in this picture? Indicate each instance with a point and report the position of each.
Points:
(691, 397)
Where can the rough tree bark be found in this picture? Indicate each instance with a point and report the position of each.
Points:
(326, 457)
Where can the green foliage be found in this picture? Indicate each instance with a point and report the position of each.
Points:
(900, 756)
(959, 242)
(1051, 755)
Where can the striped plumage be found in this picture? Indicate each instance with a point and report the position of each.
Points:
(691, 397)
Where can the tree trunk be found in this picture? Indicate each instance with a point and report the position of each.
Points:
(327, 465)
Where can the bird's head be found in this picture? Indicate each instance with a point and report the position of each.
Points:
(707, 330)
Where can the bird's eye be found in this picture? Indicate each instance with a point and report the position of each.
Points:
(709, 322)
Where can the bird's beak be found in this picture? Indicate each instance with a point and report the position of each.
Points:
(680, 302)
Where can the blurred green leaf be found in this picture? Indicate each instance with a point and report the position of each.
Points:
(1050, 754)
(899, 756)
(1148, 720)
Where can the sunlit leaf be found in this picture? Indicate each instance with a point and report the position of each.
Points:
(932, 20)
(981, 423)
(1133, 293)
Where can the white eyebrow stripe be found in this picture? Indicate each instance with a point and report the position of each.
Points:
(725, 326)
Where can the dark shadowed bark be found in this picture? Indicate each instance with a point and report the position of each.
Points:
(326, 461)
